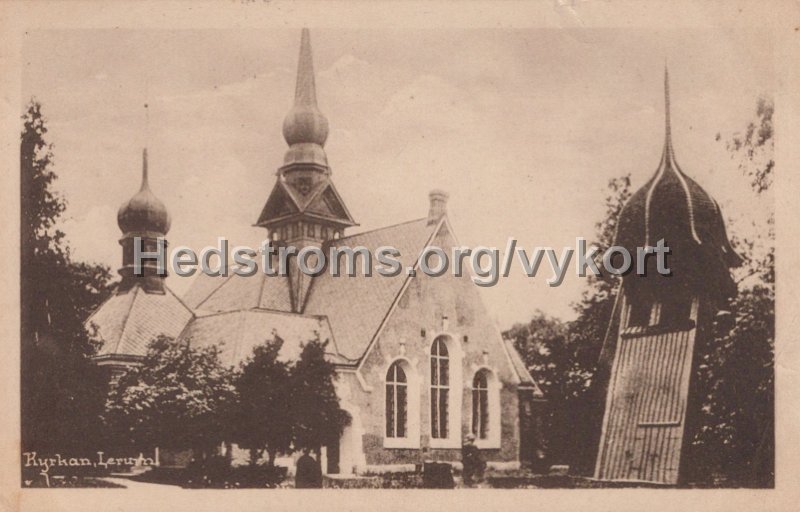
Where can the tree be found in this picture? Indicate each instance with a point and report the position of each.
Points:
(262, 421)
(563, 357)
(179, 397)
(317, 417)
(62, 390)
(543, 345)
(755, 147)
(734, 438)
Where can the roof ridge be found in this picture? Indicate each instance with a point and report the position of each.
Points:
(216, 289)
(397, 296)
(168, 289)
(260, 310)
(135, 290)
(380, 229)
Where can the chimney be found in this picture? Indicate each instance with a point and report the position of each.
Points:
(438, 208)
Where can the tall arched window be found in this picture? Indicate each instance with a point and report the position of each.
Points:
(440, 389)
(396, 401)
(480, 405)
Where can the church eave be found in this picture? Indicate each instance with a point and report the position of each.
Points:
(304, 166)
(306, 215)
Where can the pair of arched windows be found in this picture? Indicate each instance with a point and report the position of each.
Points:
(397, 397)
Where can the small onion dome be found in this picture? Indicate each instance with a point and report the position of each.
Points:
(144, 212)
(673, 207)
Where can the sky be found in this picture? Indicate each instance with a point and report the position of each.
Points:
(523, 127)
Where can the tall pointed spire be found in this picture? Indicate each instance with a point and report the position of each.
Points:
(668, 165)
(305, 128)
(304, 209)
(305, 92)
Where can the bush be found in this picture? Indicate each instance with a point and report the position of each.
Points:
(217, 473)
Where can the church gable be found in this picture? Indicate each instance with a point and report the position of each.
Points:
(457, 374)
(329, 204)
(445, 305)
(368, 299)
(279, 204)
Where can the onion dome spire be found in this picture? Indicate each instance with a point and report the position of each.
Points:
(144, 212)
(672, 207)
(305, 128)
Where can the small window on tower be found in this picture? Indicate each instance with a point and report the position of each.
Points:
(676, 311)
(639, 315)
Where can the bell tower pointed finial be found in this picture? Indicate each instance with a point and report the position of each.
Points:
(667, 125)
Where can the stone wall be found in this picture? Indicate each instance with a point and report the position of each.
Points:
(430, 307)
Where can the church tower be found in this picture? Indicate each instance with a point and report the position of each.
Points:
(143, 216)
(304, 207)
(660, 320)
(142, 307)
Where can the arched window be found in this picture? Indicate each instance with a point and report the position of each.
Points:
(396, 401)
(440, 389)
(480, 405)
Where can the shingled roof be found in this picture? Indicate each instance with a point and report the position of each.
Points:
(234, 292)
(236, 333)
(355, 306)
(129, 320)
(672, 207)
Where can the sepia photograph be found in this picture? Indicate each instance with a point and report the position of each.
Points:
(271, 252)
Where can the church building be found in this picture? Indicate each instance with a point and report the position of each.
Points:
(420, 363)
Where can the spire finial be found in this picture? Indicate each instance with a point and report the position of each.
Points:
(305, 92)
(145, 183)
(668, 128)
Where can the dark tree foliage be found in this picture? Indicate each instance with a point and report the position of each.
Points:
(179, 397)
(62, 391)
(734, 441)
(755, 147)
(318, 419)
(563, 356)
(262, 420)
(544, 344)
